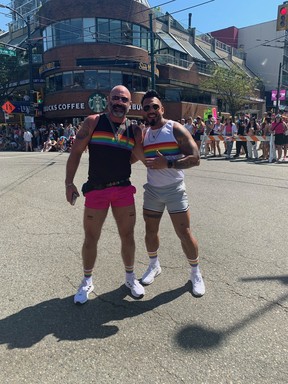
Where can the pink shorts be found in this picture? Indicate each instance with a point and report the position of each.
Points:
(114, 196)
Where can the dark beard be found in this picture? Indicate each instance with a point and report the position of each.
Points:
(152, 122)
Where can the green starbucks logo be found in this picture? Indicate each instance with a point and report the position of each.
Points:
(97, 102)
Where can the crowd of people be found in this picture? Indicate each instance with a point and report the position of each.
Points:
(60, 137)
(53, 137)
(244, 125)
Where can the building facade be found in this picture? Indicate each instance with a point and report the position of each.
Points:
(266, 55)
(89, 48)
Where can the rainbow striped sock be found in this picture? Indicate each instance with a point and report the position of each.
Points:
(88, 273)
(129, 268)
(194, 264)
(153, 257)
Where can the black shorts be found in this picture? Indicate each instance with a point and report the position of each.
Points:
(280, 139)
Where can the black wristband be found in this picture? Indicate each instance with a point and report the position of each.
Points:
(170, 164)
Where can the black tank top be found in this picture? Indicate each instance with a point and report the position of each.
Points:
(109, 155)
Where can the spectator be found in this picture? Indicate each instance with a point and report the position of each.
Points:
(229, 131)
(266, 131)
(252, 129)
(199, 128)
(28, 140)
(189, 125)
(218, 129)
(241, 130)
(279, 128)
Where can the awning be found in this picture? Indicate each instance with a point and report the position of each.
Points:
(170, 41)
(215, 58)
(189, 49)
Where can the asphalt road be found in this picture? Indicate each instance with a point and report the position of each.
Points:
(236, 333)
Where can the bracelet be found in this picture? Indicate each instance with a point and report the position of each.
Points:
(170, 163)
(69, 185)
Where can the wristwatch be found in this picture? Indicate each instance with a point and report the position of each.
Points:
(170, 164)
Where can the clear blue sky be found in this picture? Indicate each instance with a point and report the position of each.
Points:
(208, 17)
(220, 14)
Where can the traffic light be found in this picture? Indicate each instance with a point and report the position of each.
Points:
(282, 17)
(39, 98)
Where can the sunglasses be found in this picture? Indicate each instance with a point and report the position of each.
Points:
(146, 108)
(122, 98)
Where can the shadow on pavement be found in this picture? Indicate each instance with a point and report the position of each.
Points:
(67, 321)
(198, 337)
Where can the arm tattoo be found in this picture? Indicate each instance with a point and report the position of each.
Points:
(83, 133)
(188, 148)
(186, 162)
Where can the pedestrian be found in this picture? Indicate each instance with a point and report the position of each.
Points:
(279, 128)
(252, 129)
(189, 125)
(218, 129)
(28, 140)
(229, 131)
(241, 131)
(168, 148)
(111, 140)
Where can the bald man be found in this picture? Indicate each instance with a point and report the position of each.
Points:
(113, 143)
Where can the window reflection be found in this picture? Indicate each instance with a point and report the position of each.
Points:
(96, 79)
(76, 31)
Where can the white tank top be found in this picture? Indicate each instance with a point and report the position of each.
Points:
(162, 140)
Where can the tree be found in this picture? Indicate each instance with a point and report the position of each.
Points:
(9, 73)
(233, 86)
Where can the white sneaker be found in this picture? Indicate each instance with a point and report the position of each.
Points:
(83, 292)
(137, 290)
(198, 287)
(152, 271)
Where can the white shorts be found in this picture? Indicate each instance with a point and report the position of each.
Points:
(172, 196)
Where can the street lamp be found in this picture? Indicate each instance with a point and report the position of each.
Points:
(27, 22)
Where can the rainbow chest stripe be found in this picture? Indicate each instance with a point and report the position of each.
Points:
(167, 149)
(108, 139)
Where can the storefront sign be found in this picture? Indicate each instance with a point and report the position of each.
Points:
(282, 95)
(64, 107)
(97, 102)
(136, 107)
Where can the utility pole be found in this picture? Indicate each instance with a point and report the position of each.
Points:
(278, 88)
(30, 61)
(152, 51)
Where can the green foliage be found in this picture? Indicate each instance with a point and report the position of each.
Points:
(9, 72)
(233, 86)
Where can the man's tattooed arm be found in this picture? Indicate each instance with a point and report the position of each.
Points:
(188, 148)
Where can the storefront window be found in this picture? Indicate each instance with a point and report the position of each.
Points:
(47, 38)
(58, 83)
(103, 30)
(136, 83)
(89, 27)
(173, 94)
(75, 31)
(50, 84)
(116, 78)
(127, 80)
(136, 35)
(115, 31)
(78, 80)
(145, 84)
(127, 37)
(145, 36)
(67, 79)
(103, 81)
(90, 79)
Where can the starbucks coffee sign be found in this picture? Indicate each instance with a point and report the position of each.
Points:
(97, 102)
